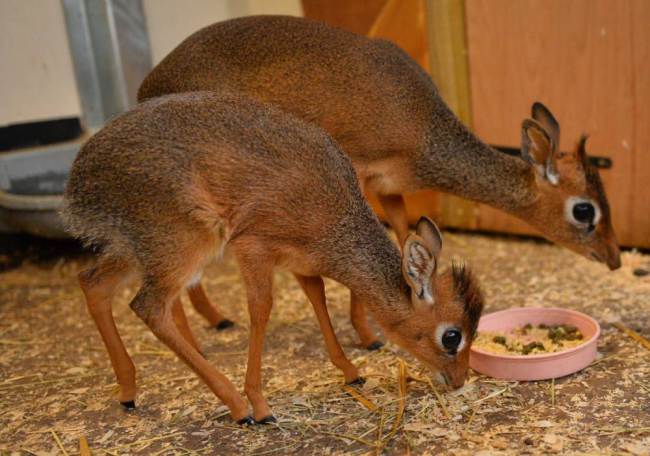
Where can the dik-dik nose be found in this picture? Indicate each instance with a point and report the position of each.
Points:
(457, 381)
(614, 258)
(452, 380)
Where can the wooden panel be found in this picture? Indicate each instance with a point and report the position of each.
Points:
(404, 23)
(449, 70)
(356, 16)
(589, 61)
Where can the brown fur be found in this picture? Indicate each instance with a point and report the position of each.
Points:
(162, 187)
(385, 113)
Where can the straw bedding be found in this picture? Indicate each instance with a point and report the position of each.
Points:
(57, 389)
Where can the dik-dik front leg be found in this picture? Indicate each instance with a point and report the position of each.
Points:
(315, 291)
(395, 210)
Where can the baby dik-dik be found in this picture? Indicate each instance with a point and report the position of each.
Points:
(161, 188)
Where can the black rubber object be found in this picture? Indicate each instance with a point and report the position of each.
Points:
(224, 324)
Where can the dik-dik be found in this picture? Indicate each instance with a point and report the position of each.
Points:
(161, 188)
(387, 116)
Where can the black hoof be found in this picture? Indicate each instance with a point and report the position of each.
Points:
(129, 405)
(267, 420)
(246, 421)
(376, 345)
(224, 324)
(357, 382)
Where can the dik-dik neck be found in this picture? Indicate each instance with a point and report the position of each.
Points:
(457, 162)
(363, 258)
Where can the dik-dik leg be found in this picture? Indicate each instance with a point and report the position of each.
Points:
(153, 304)
(359, 321)
(206, 309)
(314, 288)
(182, 324)
(99, 284)
(257, 273)
(395, 210)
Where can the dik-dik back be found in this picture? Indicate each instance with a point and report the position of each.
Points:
(336, 79)
(217, 159)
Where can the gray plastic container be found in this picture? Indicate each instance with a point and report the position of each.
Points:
(32, 182)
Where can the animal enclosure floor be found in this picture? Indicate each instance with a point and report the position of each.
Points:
(57, 386)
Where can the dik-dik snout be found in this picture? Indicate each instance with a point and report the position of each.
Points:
(570, 205)
(445, 308)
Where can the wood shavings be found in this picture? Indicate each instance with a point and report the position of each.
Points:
(633, 334)
(360, 398)
(84, 448)
(55, 374)
(58, 442)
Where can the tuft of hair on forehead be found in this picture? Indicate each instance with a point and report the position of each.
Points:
(592, 176)
(468, 292)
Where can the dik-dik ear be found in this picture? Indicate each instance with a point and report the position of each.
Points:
(538, 149)
(543, 115)
(420, 259)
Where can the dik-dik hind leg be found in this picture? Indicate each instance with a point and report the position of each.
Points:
(153, 304)
(206, 309)
(314, 288)
(99, 285)
(395, 210)
(359, 321)
(257, 273)
(180, 319)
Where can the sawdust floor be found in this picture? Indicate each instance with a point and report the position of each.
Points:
(57, 386)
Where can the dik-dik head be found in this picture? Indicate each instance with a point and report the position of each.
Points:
(570, 201)
(444, 309)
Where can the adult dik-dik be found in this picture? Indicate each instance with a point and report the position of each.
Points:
(387, 116)
(161, 188)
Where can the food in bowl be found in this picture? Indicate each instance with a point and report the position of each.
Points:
(530, 339)
(542, 366)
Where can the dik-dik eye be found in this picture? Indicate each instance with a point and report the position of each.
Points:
(582, 213)
(451, 339)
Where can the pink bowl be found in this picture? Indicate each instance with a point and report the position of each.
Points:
(536, 367)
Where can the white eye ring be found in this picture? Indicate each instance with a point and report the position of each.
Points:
(568, 210)
(442, 328)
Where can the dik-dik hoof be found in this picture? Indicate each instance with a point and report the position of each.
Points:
(128, 405)
(224, 324)
(246, 421)
(267, 420)
(357, 382)
(376, 345)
